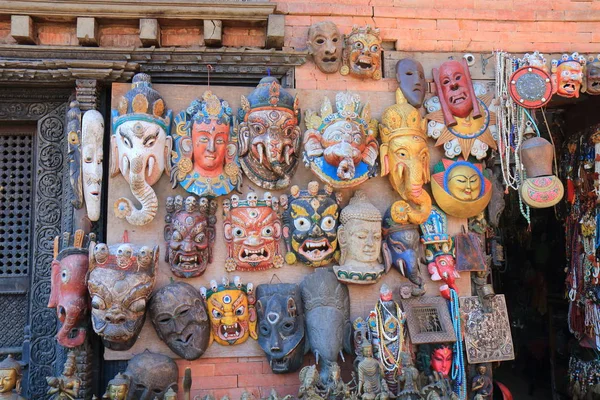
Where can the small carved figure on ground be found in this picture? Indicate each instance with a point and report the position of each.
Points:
(66, 386)
(371, 383)
(409, 378)
(481, 385)
(118, 388)
(10, 379)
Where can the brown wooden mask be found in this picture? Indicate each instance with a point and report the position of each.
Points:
(591, 79)
(190, 234)
(325, 43)
(120, 282)
(69, 289)
(152, 375)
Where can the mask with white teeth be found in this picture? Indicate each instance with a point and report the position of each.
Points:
(252, 232)
(190, 236)
(179, 316)
(567, 75)
(362, 53)
(232, 314)
(310, 225)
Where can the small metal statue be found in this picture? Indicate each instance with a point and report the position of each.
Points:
(269, 135)
(404, 155)
(327, 307)
(179, 316)
(310, 219)
(359, 237)
(341, 147)
(151, 375)
(402, 249)
(411, 78)
(567, 75)
(325, 43)
(140, 147)
(69, 287)
(120, 281)
(409, 377)
(190, 234)
(281, 332)
(371, 383)
(74, 152)
(118, 388)
(232, 312)
(252, 230)
(362, 53)
(483, 289)
(10, 379)
(92, 154)
(66, 386)
(481, 385)
(204, 160)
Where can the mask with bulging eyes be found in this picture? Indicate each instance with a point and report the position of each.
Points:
(362, 53)
(325, 44)
(281, 326)
(179, 316)
(567, 75)
(152, 375)
(121, 279)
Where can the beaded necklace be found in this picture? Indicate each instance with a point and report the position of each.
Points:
(389, 360)
(458, 361)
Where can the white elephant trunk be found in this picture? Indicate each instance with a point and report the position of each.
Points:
(143, 192)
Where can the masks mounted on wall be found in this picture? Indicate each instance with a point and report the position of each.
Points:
(359, 237)
(310, 221)
(92, 154)
(411, 78)
(327, 309)
(179, 316)
(439, 251)
(567, 75)
(69, 288)
(325, 43)
(190, 234)
(140, 147)
(362, 53)
(151, 375)
(205, 160)
(232, 312)
(405, 157)
(461, 188)
(591, 78)
(269, 135)
(120, 282)
(281, 326)
(341, 147)
(541, 189)
(460, 116)
(74, 152)
(402, 250)
(252, 230)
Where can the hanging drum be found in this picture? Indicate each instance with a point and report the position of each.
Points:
(530, 87)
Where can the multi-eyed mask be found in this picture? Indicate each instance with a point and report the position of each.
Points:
(120, 281)
(269, 135)
(92, 154)
(140, 148)
(359, 236)
(151, 375)
(281, 325)
(567, 75)
(340, 147)
(69, 289)
(232, 312)
(179, 316)
(205, 159)
(362, 53)
(74, 152)
(460, 120)
(402, 250)
(439, 251)
(190, 234)
(310, 221)
(252, 230)
(325, 43)
(460, 187)
(411, 77)
(591, 79)
(404, 155)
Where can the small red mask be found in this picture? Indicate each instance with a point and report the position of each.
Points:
(441, 360)
(210, 142)
(454, 88)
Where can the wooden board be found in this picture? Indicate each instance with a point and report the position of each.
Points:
(379, 190)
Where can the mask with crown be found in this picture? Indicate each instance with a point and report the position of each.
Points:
(362, 53)
(269, 135)
(404, 156)
(567, 75)
(140, 147)
(341, 147)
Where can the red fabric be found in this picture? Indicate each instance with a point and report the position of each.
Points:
(506, 395)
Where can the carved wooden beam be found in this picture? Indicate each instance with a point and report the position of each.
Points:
(149, 32)
(86, 93)
(213, 32)
(87, 31)
(166, 9)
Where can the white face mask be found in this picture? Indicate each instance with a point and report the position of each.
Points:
(92, 153)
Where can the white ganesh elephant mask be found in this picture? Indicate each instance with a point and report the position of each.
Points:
(140, 147)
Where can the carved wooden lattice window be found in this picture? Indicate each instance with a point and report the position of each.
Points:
(16, 149)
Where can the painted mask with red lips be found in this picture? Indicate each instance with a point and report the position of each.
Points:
(190, 234)
(252, 231)
(567, 75)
